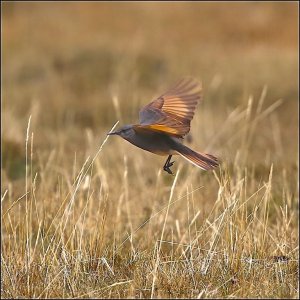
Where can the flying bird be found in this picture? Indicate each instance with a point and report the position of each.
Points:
(165, 121)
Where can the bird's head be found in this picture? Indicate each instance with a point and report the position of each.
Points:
(125, 132)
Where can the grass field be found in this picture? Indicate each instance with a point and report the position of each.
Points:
(87, 215)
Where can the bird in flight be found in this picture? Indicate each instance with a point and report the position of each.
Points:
(165, 121)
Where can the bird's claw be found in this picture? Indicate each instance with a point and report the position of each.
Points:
(167, 167)
(171, 164)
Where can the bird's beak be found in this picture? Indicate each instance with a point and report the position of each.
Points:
(113, 133)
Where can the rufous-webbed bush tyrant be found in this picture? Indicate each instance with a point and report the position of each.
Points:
(165, 121)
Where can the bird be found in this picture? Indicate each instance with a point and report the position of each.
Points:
(164, 123)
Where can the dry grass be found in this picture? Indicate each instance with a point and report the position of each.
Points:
(84, 215)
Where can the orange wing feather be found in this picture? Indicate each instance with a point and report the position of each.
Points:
(158, 128)
(172, 112)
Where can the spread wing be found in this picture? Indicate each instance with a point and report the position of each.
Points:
(173, 111)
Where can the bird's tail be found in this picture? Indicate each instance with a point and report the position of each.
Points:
(201, 160)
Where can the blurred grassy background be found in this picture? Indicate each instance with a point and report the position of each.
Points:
(78, 67)
(64, 63)
(67, 60)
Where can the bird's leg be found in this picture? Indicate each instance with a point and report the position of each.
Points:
(168, 164)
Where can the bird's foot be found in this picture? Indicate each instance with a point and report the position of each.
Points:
(167, 167)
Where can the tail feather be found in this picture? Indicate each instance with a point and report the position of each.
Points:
(201, 160)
